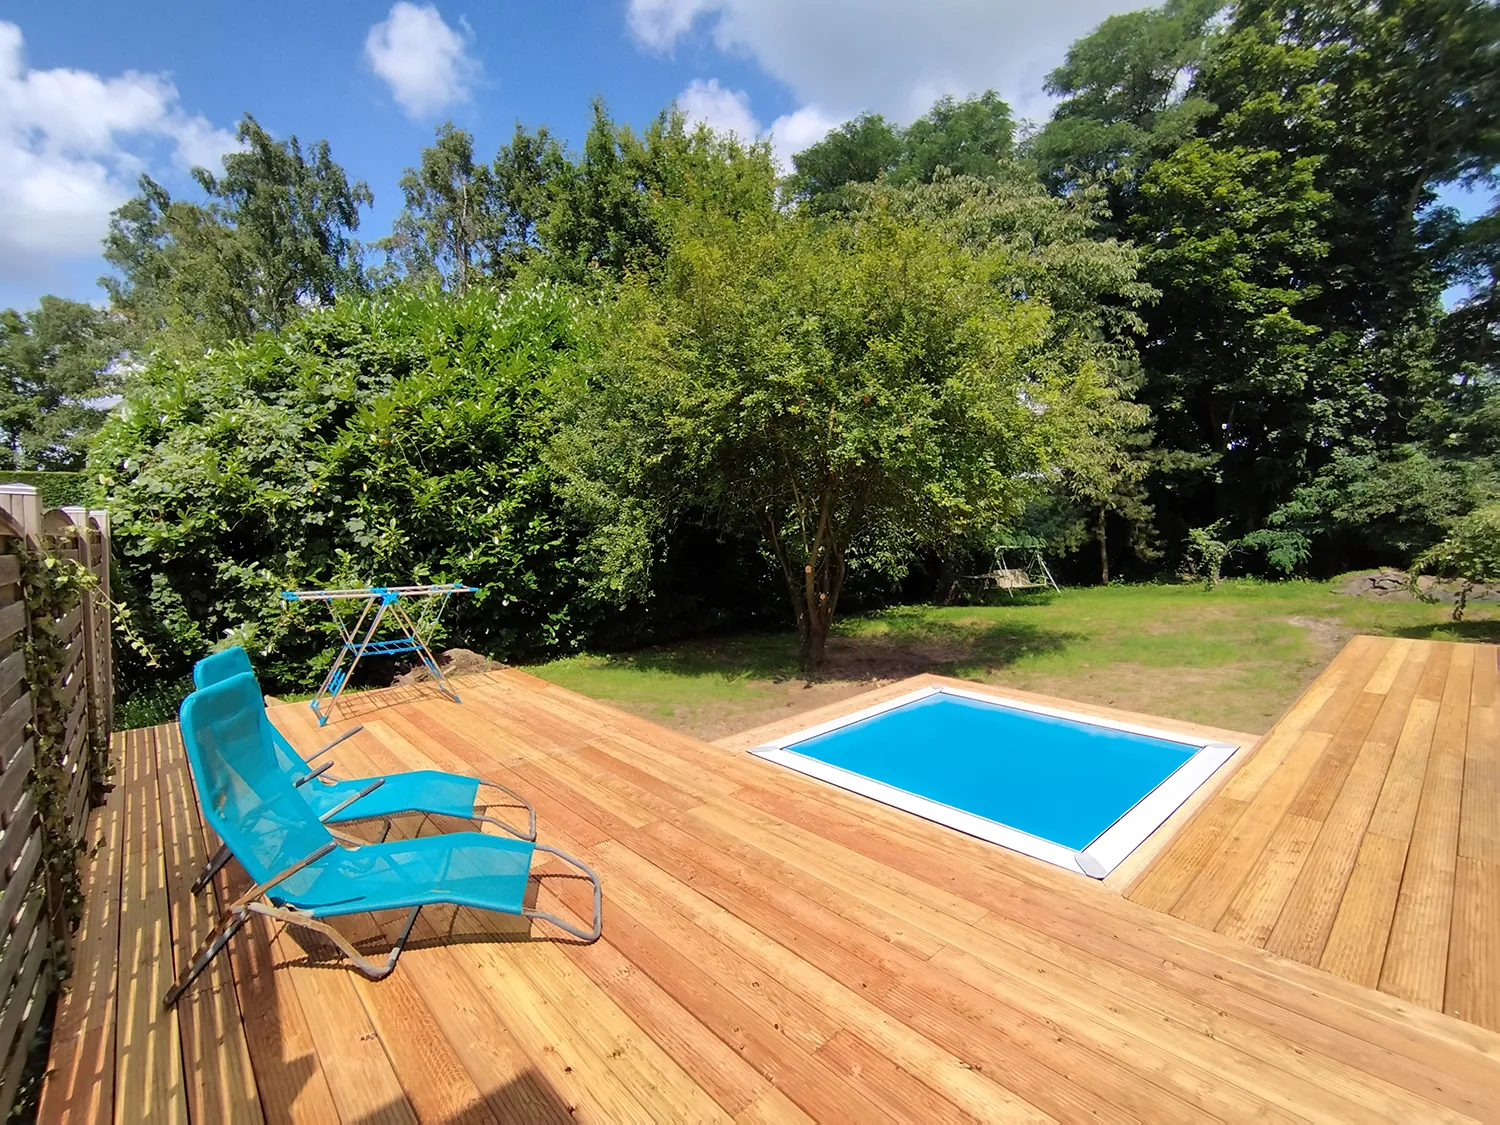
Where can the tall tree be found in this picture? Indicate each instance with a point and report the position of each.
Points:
(847, 391)
(451, 227)
(1279, 169)
(1127, 95)
(56, 373)
(273, 238)
(973, 137)
(612, 210)
(859, 151)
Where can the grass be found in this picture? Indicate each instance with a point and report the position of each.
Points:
(1234, 657)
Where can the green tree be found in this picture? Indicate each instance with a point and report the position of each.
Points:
(1127, 96)
(849, 392)
(612, 210)
(1470, 552)
(273, 239)
(859, 151)
(451, 228)
(974, 137)
(57, 368)
(1279, 169)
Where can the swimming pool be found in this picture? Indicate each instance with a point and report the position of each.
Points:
(1076, 790)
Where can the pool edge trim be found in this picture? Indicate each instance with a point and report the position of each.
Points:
(1106, 852)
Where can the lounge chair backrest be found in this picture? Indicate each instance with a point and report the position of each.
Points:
(235, 661)
(247, 798)
(221, 665)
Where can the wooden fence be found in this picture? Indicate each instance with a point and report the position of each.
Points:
(32, 955)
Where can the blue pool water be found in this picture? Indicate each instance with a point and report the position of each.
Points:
(1062, 780)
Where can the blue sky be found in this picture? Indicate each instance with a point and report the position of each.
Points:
(93, 92)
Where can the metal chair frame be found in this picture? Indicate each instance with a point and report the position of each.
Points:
(257, 901)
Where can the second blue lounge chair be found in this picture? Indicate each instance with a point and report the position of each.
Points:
(302, 874)
(341, 800)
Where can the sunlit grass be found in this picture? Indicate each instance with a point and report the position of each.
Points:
(1235, 656)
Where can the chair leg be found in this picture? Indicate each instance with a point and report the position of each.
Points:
(582, 935)
(220, 858)
(530, 833)
(206, 953)
(375, 970)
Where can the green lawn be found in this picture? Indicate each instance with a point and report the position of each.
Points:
(1235, 657)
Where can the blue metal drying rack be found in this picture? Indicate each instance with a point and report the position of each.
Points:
(381, 603)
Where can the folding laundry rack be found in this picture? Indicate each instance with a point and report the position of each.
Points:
(381, 603)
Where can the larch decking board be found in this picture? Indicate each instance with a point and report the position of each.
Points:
(148, 1048)
(1362, 926)
(1307, 916)
(216, 1060)
(1415, 960)
(1391, 755)
(776, 949)
(81, 1088)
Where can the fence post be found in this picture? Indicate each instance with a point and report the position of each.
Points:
(99, 521)
(93, 607)
(22, 503)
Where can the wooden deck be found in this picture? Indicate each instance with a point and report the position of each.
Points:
(1363, 835)
(774, 950)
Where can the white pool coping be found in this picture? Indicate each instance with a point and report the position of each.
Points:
(1103, 855)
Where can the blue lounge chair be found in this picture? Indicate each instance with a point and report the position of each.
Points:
(340, 800)
(302, 873)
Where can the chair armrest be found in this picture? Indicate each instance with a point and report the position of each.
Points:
(319, 772)
(350, 733)
(344, 804)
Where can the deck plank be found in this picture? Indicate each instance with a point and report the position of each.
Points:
(149, 1083)
(1392, 759)
(220, 1077)
(82, 1063)
(1416, 959)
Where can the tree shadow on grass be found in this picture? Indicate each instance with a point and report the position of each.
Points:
(908, 645)
(1481, 631)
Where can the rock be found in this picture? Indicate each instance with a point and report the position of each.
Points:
(453, 662)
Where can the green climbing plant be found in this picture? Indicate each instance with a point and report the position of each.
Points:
(52, 587)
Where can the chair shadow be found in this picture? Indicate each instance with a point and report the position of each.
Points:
(528, 1097)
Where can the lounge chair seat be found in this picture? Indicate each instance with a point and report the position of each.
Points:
(304, 872)
(464, 868)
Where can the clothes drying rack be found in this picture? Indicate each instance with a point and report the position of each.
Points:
(381, 604)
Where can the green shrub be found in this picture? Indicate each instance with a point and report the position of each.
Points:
(57, 490)
(386, 441)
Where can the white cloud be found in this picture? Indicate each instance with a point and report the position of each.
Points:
(724, 111)
(891, 56)
(792, 132)
(71, 146)
(425, 62)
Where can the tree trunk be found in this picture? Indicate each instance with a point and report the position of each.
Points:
(1103, 549)
(814, 646)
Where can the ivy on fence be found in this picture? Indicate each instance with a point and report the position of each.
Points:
(53, 588)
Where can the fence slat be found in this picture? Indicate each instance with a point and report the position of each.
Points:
(12, 617)
(13, 780)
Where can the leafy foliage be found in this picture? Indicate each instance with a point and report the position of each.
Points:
(848, 391)
(56, 368)
(273, 239)
(374, 441)
(1470, 552)
(973, 137)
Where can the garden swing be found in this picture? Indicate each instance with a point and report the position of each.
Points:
(1030, 571)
